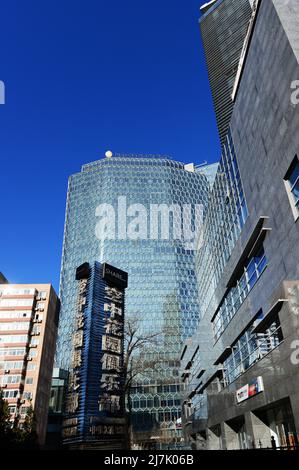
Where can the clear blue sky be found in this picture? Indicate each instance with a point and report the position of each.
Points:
(82, 77)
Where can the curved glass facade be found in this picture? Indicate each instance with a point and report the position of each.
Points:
(162, 290)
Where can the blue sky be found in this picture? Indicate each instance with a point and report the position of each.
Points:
(82, 77)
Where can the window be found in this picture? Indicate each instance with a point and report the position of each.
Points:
(29, 381)
(11, 365)
(10, 291)
(42, 295)
(10, 379)
(235, 297)
(24, 411)
(27, 395)
(36, 330)
(34, 342)
(16, 302)
(15, 314)
(291, 180)
(14, 326)
(32, 354)
(10, 393)
(250, 348)
(14, 339)
(13, 352)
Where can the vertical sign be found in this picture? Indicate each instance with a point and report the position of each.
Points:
(70, 423)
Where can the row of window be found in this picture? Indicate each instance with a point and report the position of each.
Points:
(18, 365)
(155, 389)
(15, 393)
(250, 348)
(14, 314)
(10, 365)
(13, 339)
(23, 410)
(10, 379)
(161, 416)
(236, 295)
(156, 402)
(11, 291)
(12, 352)
(16, 302)
(8, 290)
(11, 393)
(14, 326)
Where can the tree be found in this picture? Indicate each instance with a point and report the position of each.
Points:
(5, 425)
(138, 346)
(29, 429)
(17, 435)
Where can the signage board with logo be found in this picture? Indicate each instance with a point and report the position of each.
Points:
(115, 276)
(253, 388)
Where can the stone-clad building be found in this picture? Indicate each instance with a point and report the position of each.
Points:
(241, 368)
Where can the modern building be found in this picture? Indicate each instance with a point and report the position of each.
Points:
(223, 27)
(241, 367)
(94, 411)
(160, 262)
(28, 329)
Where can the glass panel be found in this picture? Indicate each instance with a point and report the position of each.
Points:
(294, 175)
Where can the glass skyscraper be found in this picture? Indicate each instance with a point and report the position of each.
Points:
(162, 291)
(223, 26)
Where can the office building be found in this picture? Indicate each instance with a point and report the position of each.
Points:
(28, 329)
(240, 369)
(94, 411)
(223, 27)
(162, 291)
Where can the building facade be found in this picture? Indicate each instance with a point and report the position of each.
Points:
(28, 329)
(162, 291)
(56, 408)
(94, 411)
(223, 27)
(241, 368)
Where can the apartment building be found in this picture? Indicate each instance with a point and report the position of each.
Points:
(28, 330)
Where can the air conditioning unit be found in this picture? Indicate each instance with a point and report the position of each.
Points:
(29, 358)
(32, 345)
(7, 371)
